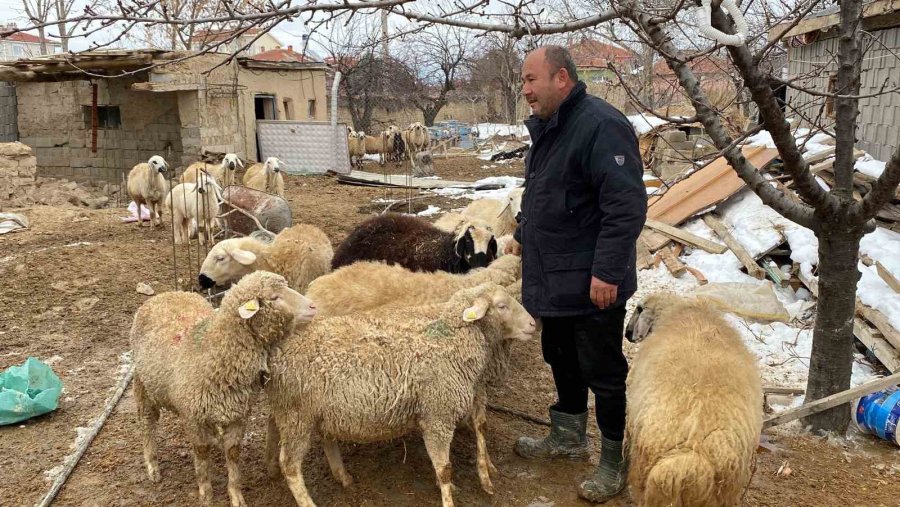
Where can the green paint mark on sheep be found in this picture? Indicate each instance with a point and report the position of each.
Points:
(199, 330)
(438, 329)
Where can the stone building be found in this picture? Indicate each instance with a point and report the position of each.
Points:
(82, 126)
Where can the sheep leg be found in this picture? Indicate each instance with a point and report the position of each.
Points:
(272, 438)
(148, 414)
(294, 446)
(485, 467)
(336, 463)
(201, 447)
(234, 433)
(437, 436)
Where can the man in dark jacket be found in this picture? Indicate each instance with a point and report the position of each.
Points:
(582, 211)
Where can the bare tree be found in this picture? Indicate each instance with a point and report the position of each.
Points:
(498, 71)
(38, 12)
(438, 58)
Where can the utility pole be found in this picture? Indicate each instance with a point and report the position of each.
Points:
(384, 34)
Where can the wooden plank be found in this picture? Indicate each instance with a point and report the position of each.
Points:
(655, 241)
(686, 237)
(881, 323)
(701, 279)
(705, 188)
(644, 258)
(832, 401)
(740, 252)
(874, 341)
(819, 156)
(888, 278)
(400, 180)
(675, 266)
(783, 390)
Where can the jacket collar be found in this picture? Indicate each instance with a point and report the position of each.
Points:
(536, 126)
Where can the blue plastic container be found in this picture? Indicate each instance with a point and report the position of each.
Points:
(879, 413)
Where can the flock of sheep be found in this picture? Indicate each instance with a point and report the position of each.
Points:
(393, 145)
(401, 329)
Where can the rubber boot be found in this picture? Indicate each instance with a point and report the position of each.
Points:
(567, 439)
(610, 477)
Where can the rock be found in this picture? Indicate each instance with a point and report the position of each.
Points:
(97, 203)
(57, 286)
(143, 288)
(71, 185)
(85, 304)
(541, 501)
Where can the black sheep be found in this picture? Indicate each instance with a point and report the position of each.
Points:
(415, 244)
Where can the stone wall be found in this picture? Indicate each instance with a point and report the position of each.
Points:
(18, 168)
(52, 122)
(8, 130)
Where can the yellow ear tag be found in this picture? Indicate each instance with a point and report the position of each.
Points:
(248, 309)
(469, 315)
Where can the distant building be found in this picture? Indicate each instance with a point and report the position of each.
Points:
(23, 45)
(592, 57)
(213, 39)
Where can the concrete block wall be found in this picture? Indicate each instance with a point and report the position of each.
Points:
(8, 122)
(51, 120)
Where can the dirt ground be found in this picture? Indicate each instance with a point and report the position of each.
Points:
(68, 296)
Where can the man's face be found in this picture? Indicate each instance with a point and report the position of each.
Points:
(543, 89)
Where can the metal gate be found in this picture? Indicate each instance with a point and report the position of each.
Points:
(305, 147)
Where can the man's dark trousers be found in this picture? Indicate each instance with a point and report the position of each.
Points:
(585, 352)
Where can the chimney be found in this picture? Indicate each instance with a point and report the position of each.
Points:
(290, 48)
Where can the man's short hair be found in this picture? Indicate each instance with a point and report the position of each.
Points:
(559, 58)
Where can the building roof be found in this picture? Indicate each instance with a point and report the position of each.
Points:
(888, 12)
(590, 53)
(213, 36)
(27, 38)
(282, 55)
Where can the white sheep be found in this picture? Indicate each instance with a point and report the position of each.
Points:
(376, 146)
(223, 172)
(382, 374)
(205, 365)
(266, 177)
(694, 411)
(356, 143)
(194, 207)
(300, 253)
(417, 139)
(500, 214)
(147, 187)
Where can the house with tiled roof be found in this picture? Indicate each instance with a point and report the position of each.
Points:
(23, 45)
(229, 41)
(592, 59)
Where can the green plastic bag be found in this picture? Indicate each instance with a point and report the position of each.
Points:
(27, 391)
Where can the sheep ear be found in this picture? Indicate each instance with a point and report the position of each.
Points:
(248, 309)
(476, 311)
(244, 257)
(240, 163)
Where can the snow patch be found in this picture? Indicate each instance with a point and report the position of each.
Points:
(869, 166)
(644, 123)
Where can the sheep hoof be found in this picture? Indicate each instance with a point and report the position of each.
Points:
(273, 471)
(487, 486)
(153, 473)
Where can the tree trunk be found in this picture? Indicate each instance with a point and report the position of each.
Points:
(60, 15)
(43, 41)
(831, 360)
(429, 114)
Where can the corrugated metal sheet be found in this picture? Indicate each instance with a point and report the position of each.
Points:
(305, 147)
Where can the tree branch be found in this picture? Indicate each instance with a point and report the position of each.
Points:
(883, 190)
(771, 196)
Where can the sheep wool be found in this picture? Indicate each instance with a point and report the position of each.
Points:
(694, 411)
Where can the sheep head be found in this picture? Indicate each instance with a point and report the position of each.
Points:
(647, 313)
(268, 305)
(158, 163)
(493, 307)
(231, 162)
(272, 165)
(225, 262)
(476, 246)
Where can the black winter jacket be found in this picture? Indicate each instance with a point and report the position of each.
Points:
(583, 208)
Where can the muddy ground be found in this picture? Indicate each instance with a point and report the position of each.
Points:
(67, 295)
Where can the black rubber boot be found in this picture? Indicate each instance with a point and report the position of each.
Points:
(610, 477)
(567, 439)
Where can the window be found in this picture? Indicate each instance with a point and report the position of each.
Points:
(288, 109)
(18, 50)
(108, 117)
(311, 108)
(829, 101)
